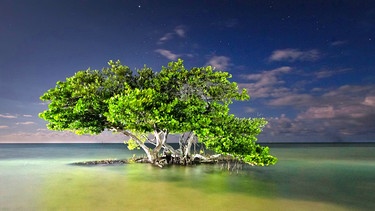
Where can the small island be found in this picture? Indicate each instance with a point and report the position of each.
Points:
(226, 162)
(147, 106)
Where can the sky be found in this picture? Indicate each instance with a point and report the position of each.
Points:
(308, 66)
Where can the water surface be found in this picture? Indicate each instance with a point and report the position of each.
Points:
(307, 177)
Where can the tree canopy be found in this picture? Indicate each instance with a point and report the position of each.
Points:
(173, 100)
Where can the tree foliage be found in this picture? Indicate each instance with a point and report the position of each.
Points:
(173, 100)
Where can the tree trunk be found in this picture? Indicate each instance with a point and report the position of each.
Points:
(188, 147)
(182, 156)
(148, 151)
(161, 137)
(185, 147)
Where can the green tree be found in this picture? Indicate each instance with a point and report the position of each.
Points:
(147, 106)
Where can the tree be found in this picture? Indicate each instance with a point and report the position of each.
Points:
(147, 106)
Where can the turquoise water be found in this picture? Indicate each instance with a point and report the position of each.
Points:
(307, 177)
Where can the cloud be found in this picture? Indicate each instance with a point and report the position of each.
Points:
(270, 85)
(369, 101)
(11, 116)
(324, 73)
(335, 111)
(292, 55)
(219, 62)
(250, 110)
(4, 126)
(45, 136)
(292, 100)
(268, 77)
(179, 31)
(166, 37)
(350, 91)
(335, 115)
(318, 113)
(8, 116)
(347, 95)
(329, 114)
(322, 129)
(328, 73)
(266, 83)
(167, 54)
(282, 125)
(339, 43)
(25, 123)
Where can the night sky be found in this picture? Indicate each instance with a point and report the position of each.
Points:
(307, 65)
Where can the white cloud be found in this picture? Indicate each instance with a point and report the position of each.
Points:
(281, 125)
(249, 110)
(292, 55)
(4, 126)
(8, 116)
(179, 31)
(346, 100)
(318, 113)
(350, 91)
(369, 101)
(292, 100)
(336, 115)
(317, 89)
(352, 111)
(25, 123)
(45, 136)
(327, 114)
(167, 54)
(268, 77)
(324, 74)
(219, 62)
(166, 37)
(27, 115)
(322, 129)
(328, 73)
(266, 83)
(339, 43)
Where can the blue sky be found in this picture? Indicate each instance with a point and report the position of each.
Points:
(308, 65)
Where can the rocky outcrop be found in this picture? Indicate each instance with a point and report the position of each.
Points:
(101, 162)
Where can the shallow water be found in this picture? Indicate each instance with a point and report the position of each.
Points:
(307, 177)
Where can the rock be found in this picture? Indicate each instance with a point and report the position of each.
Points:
(101, 162)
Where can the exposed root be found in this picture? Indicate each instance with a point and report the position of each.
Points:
(101, 162)
(226, 162)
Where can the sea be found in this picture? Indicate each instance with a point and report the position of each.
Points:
(306, 177)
